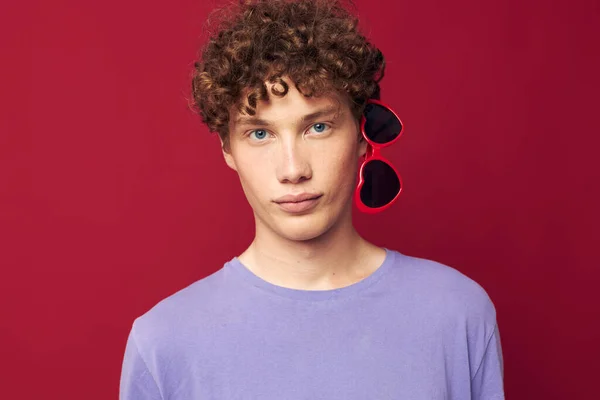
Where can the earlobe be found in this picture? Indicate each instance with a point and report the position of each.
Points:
(362, 146)
(226, 150)
(229, 159)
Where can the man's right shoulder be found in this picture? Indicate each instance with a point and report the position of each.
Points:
(191, 309)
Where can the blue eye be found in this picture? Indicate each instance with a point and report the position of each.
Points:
(320, 127)
(259, 133)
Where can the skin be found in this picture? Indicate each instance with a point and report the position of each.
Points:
(288, 153)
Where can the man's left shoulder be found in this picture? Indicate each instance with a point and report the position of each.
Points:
(444, 287)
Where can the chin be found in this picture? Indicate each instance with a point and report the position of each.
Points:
(302, 228)
(302, 235)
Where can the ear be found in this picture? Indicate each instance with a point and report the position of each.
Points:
(226, 150)
(362, 145)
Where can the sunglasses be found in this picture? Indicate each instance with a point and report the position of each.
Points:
(379, 183)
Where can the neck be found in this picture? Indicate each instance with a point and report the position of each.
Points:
(337, 258)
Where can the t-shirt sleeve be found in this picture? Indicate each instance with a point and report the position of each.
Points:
(137, 383)
(488, 381)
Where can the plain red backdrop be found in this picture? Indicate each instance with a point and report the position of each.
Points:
(114, 196)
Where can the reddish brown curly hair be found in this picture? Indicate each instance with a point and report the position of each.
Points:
(315, 43)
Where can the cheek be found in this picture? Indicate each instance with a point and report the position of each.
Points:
(253, 177)
(341, 170)
(253, 173)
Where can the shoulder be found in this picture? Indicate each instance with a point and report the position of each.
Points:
(434, 285)
(455, 307)
(168, 323)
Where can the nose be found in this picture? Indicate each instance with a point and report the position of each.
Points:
(293, 165)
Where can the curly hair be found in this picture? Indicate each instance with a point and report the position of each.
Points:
(315, 43)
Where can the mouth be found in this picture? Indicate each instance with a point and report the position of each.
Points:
(298, 203)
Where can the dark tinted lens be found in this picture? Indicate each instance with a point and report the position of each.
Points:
(381, 184)
(381, 125)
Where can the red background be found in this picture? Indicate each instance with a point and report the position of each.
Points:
(113, 195)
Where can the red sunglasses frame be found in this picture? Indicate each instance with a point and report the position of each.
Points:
(374, 153)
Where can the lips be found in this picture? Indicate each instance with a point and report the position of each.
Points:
(296, 198)
(298, 202)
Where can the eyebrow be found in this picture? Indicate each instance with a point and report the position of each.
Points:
(308, 117)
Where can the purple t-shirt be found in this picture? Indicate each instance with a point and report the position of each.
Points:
(414, 329)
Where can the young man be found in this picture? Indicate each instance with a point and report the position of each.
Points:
(310, 310)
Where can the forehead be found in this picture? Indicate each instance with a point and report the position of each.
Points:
(293, 106)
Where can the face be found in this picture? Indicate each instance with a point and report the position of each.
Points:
(297, 161)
